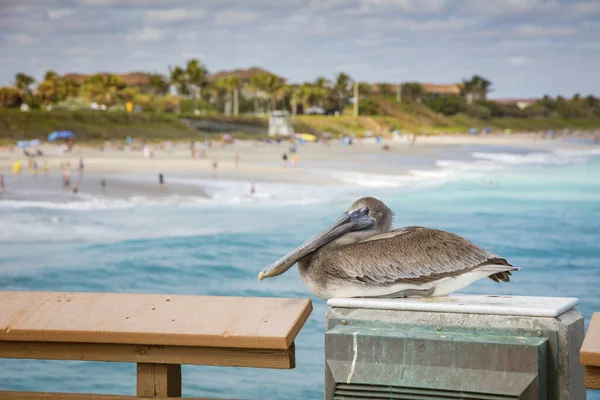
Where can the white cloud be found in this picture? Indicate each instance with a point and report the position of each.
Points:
(147, 34)
(170, 15)
(234, 17)
(586, 8)
(518, 60)
(59, 13)
(530, 30)
(79, 51)
(20, 39)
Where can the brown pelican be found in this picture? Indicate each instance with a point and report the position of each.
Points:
(359, 256)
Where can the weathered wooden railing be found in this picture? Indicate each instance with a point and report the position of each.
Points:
(590, 354)
(158, 332)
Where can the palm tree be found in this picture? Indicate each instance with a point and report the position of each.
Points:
(342, 86)
(48, 89)
(269, 84)
(233, 84)
(221, 86)
(306, 93)
(477, 86)
(295, 93)
(195, 76)
(178, 79)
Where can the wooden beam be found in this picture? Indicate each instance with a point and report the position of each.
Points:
(5, 395)
(158, 380)
(592, 377)
(216, 356)
(590, 350)
(168, 320)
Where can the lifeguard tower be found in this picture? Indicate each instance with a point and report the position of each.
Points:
(279, 124)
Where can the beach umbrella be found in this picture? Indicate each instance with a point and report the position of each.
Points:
(60, 135)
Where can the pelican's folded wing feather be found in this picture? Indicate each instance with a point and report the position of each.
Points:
(413, 254)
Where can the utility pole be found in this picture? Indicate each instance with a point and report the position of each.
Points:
(399, 93)
(356, 98)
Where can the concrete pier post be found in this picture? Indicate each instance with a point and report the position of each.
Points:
(481, 347)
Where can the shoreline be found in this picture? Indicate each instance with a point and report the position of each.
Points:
(129, 174)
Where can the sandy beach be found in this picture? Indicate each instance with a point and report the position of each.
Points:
(256, 162)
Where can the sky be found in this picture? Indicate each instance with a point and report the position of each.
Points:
(526, 48)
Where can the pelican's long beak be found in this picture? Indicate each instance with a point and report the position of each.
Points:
(347, 222)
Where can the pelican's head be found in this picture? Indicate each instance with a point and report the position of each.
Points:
(364, 218)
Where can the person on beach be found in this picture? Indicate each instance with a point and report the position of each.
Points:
(252, 189)
(215, 164)
(75, 188)
(294, 160)
(16, 167)
(81, 166)
(161, 180)
(284, 158)
(66, 181)
(193, 148)
(1, 183)
(45, 167)
(103, 184)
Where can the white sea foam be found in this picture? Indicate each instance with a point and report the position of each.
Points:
(352, 184)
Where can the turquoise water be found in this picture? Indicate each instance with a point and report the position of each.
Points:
(542, 213)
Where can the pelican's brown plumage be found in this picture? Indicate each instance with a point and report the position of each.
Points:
(359, 256)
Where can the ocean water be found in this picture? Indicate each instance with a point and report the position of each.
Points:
(540, 210)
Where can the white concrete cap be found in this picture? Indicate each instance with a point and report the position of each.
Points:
(526, 306)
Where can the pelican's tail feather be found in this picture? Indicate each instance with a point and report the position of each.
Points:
(501, 267)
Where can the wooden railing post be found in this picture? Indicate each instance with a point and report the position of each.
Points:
(158, 380)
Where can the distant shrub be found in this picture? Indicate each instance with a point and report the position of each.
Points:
(368, 106)
(447, 105)
(479, 111)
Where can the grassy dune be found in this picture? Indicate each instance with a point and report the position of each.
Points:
(408, 117)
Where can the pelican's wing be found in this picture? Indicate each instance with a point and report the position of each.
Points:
(415, 254)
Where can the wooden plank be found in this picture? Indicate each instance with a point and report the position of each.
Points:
(158, 380)
(590, 350)
(6, 395)
(215, 356)
(592, 377)
(210, 321)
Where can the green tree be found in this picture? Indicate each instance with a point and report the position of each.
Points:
(195, 77)
(10, 96)
(385, 89)
(23, 82)
(477, 87)
(231, 84)
(269, 84)
(412, 90)
(103, 89)
(342, 87)
(306, 91)
(295, 94)
(159, 85)
(219, 88)
(178, 79)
